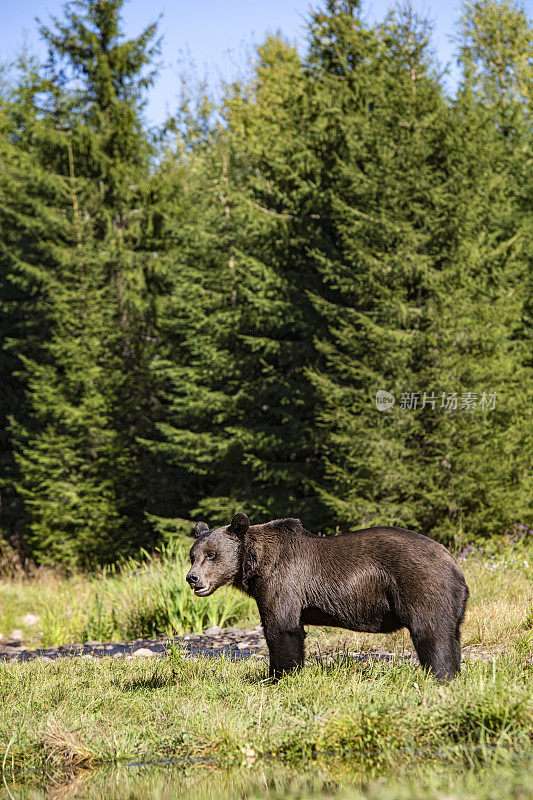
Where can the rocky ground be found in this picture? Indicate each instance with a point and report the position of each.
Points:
(235, 643)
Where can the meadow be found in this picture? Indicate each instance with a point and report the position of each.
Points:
(142, 597)
(148, 596)
(354, 730)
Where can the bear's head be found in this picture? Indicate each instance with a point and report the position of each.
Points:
(216, 555)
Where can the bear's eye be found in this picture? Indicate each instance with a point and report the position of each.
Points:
(210, 556)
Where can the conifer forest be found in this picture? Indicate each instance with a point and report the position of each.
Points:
(212, 316)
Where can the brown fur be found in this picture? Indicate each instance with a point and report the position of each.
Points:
(374, 580)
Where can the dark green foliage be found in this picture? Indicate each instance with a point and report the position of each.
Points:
(199, 325)
(86, 378)
(241, 325)
(428, 278)
(385, 186)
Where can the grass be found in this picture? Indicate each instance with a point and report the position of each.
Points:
(370, 720)
(363, 730)
(141, 598)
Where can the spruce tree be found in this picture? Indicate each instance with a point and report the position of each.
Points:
(22, 189)
(205, 332)
(480, 469)
(278, 208)
(239, 323)
(381, 116)
(426, 249)
(89, 388)
(197, 326)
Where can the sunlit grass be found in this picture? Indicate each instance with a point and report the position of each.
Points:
(354, 730)
(147, 597)
(378, 718)
(321, 779)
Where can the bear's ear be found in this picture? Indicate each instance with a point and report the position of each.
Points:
(239, 525)
(199, 528)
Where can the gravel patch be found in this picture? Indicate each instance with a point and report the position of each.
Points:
(214, 642)
(235, 643)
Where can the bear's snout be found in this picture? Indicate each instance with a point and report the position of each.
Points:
(194, 582)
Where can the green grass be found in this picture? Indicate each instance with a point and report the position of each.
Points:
(321, 779)
(142, 598)
(372, 720)
(363, 730)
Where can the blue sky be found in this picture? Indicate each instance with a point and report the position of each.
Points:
(215, 35)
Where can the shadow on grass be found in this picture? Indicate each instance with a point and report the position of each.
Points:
(338, 661)
(258, 679)
(159, 679)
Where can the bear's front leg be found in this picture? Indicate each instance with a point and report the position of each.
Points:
(286, 649)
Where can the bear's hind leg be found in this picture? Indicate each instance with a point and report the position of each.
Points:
(440, 652)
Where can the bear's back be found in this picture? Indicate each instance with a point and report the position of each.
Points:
(407, 556)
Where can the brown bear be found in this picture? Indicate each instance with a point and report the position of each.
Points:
(376, 580)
